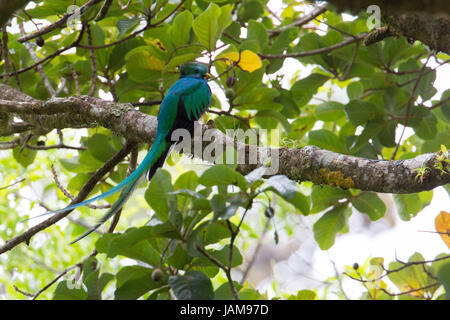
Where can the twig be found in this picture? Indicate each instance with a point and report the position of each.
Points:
(350, 64)
(49, 57)
(314, 52)
(131, 167)
(409, 103)
(226, 269)
(75, 78)
(132, 35)
(12, 184)
(437, 105)
(84, 192)
(77, 265)
(93, 62)
(405, 265)
(256, 252)
(147, 103)
(273, 14)
(424, 73)
(23, 292)
(303, 20)
(69, 195)
(409, 291)
(103, 10)
(124, 6)
(58, 24)
(55, 146)
(45, 80)
(5, 55)
(334, 28)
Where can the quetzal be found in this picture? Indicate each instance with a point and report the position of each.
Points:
(184, 103)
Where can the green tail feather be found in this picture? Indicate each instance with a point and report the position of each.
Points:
(152, 160)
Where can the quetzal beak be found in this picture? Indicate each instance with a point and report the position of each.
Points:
(208, 75)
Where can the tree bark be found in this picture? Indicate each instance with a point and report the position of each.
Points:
(422, 20)
(300, 164)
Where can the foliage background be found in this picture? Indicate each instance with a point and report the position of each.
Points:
(362, 125)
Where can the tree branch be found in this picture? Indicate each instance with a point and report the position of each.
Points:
(301, 164)
(61, 23)
(84, 192)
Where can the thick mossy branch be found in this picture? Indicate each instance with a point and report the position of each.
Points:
(300, 164)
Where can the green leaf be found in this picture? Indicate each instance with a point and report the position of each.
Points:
(370, 204)
(25, 157)
(119, 51)
(359, 112)
(66, 290)
(140, 250)
(188, 192)
(288, 190)
(215, 231)
(326, 228)
(179, 60)
(181, 28)
(142, 63)
(96, 284)
(412, 277)
(408, 205)
(323, 197)
(424, 123)
(300, 202)
(222, 255)
(304, 295)
(257, 31)
(445, 107)
(158, 194)
(329, 111)
(134, 281)
(193, 285)
(221, 209)
(290, 108)
(303, 90)
(209, 26)
(327, 140)
(126, 25)
(444, 278)
(252, 9)
(256, 174)
(219, 174)
(355, 90)
(269, 113)
(282, 185)
(224, 291)
(99, 146)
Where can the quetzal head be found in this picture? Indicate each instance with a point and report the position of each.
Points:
(194, 70)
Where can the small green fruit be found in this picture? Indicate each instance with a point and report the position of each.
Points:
(157, 274)
(229, 93)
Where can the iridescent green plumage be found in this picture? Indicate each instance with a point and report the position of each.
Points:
(185, 102)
